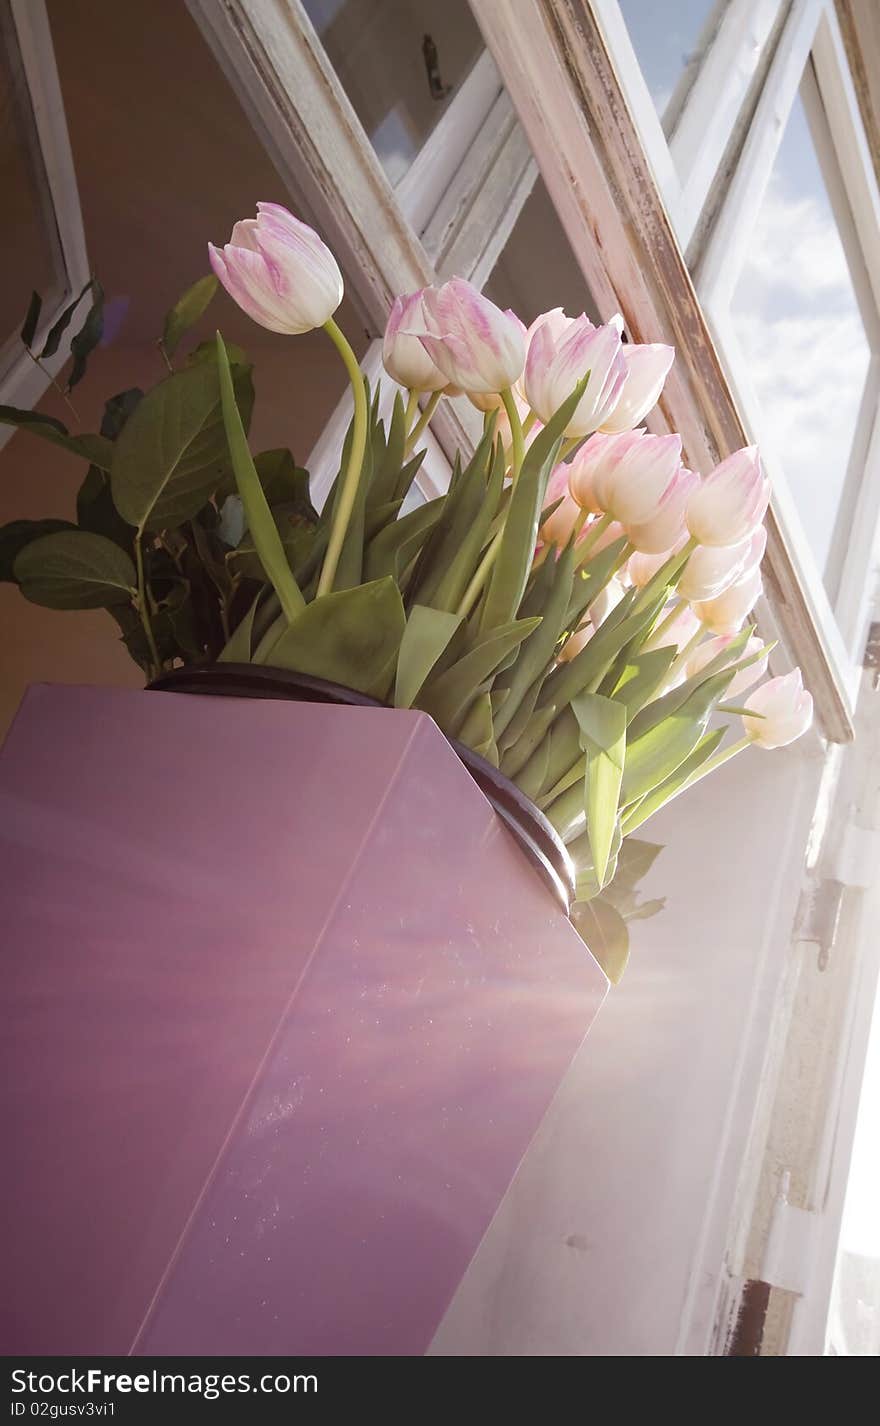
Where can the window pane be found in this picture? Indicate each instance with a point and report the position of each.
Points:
(30, 257)
(401, 63)
(797, 315)
(537, 269)
(670, 42)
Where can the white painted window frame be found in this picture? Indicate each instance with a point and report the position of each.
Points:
(22, 383)
(811, 31)
(709, 97)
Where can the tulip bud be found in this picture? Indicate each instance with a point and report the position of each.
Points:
(786, 708)
(665, 526)
(477, 347)
(557, 528)
(631, 489)
(709, 571)
(561, 352)
(725, 614)
(746, 676)
(730, 503)
(279, 271)
(592, 467)
(647, 366)
(641, 568)
(403, 356)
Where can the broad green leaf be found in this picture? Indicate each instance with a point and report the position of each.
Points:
(477, 730)
(392, 549)
(675, 783)
(88, 336)
(57, 330)
(464, 502)
(96, 512)
(187, 310)
(535, 734)
(171, 453)
(296, 537)
(261, 523)
(654, 755)
(568, 812)
(427, 634)
(118, 409)
(590, 579)
(447, 696)
(510, 571)
(351, 636)
(284, 482)
(566, 744)
(17, 534)
(95, 449)
(32, 320)
(537, 652)
(239, 647)
(603, 931)
(603, 738)
(73, 569)
(531, 778)
(641, 677)
(457, 577)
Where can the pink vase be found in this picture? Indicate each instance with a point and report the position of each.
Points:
(284, 1005)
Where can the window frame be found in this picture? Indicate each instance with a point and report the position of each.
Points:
(811, 34)
(686, 163)
(22, 383)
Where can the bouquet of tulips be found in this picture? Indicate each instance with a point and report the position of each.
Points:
(573, 608)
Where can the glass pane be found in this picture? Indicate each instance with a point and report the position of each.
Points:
(797, 315)
(670, 42)
(537, 269)
(401, 62)
(30, 256)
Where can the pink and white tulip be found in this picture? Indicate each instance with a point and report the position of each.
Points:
(710, 570)
(403, 355)
(680, 632)
(476, 346)
(641, 568)
(726, 613)
(632, 487)
(665, 525)
(786, 710)
(279, 271)
(730, 503)
(562, 350)
(591, 469)
(745, 678)
(647, 366)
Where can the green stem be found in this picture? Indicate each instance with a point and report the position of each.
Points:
(668, 620)
(143, 606)
(668, 572)
(349, 488)
(684, 654)
(516, 431)
(423, 420)
(412, 406)
(592, 535)
(529, 422)
(711, 766)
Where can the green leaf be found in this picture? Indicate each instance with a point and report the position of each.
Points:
(187, 310)
(587, 669)
(117, 411)
(464, 501)
(427, 634)
(533, 775)
(88, 336)
(392, 549)
(238, 649)
(517, 760)
(74, 569)
(455, 580)
(664, 791)
(17, 534)
(260, 521)
(171, 453)
(641, 677)
(32, 319)
(285, 483)
(537, 652)
(603, 931)
(56, 332)
(603, 738)
(635, 861)
(654, 755)
(388, 457)
(96, 512)
(94, 449)
(477, 730)
(447, 697)
(351, 636)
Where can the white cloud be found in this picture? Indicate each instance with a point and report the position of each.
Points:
(797, 317)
